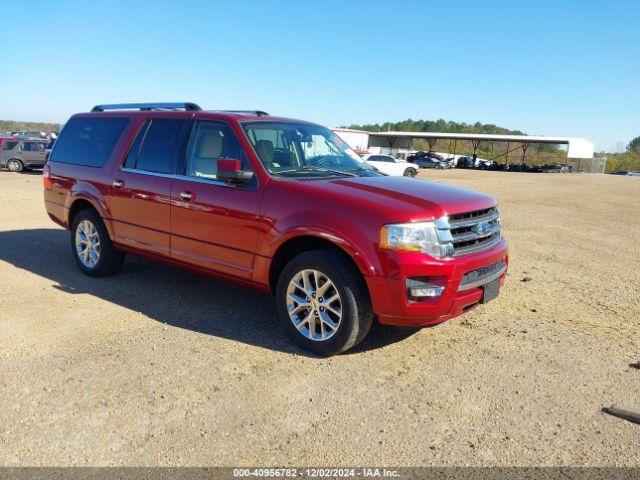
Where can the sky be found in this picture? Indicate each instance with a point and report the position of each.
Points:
(566, 68)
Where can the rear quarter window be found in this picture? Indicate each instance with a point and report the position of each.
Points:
(8, 145)
(88, 141)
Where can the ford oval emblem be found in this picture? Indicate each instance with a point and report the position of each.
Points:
(482, 228)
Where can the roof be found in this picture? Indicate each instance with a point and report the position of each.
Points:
(349, 130)
(180, 109)
(577, 147)
(479, 136)
(211, 114)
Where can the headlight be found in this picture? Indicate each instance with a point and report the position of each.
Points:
(417, 237)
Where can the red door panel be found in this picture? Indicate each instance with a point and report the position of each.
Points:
(214, 225)
(140, 209)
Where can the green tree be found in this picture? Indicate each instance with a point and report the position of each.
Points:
(634, 145)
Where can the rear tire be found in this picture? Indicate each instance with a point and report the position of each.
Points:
(14, 165)
(316, 323)
(91, 246)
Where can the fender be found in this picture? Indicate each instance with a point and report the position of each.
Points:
(355, 243)
(88, 192)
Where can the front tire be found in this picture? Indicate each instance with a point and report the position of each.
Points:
(323, 303)
(410, 172)
(91, 246)
(14, 165)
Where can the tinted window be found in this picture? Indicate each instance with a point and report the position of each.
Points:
(160, 146)
(88, 141)
(209, 142)
(134, 149)
(9, 145)
(32, 147)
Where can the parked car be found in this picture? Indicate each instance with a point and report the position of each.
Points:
(465, 162)
(280, 205)
(391, 165)
(437, 156)
(18, 154)
(428, 162)
(448, 163)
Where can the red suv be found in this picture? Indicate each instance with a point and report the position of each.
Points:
(277, 204)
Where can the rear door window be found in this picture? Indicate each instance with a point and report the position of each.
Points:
(32, 147)
(88, 141)
(159, 144)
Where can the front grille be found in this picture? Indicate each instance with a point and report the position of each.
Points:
(482, 275)
(474, 231)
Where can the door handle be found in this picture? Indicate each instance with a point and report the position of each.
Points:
(186, 196)
(118, 184)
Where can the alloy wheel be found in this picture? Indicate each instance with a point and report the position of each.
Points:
(314, 305)
(87, 244)
(13, 166)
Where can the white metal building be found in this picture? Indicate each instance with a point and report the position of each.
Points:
(400, 143)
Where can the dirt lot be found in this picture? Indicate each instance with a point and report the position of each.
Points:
(156, 366)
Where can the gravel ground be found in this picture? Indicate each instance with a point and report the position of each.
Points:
(156, 366)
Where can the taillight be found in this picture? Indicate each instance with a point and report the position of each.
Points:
(46, 177)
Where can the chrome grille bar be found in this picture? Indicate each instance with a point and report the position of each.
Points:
(473, 221)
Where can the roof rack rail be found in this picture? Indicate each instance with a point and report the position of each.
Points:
(146, 106)
(260, 113)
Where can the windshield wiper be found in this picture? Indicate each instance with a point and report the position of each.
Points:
(311, 168)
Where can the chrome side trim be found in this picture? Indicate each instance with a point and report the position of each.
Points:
(145, 172)
(208, 181)
(482, 281)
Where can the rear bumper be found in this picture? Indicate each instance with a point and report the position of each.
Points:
(389, 296)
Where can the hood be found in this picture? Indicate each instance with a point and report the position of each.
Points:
(407, 197)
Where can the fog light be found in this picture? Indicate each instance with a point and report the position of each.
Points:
(420, 287)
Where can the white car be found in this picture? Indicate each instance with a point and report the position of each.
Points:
(391, 165)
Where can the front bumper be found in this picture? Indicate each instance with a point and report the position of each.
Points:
(389, 297)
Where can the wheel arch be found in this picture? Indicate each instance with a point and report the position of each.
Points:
(81, 202)
(298, 244)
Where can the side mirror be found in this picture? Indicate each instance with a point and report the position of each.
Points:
(228, 171)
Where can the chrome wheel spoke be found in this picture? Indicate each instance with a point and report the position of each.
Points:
(304, 321)
(295, 309)
(325, 286)
(326, 320)
(297, 299)
(306, 282)
(335, 311)
(312, 326)
(331, 299)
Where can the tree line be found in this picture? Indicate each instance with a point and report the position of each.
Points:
(628, 160)
(13, 126)
(537, 154)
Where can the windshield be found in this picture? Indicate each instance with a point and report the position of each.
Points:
(303, 150)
